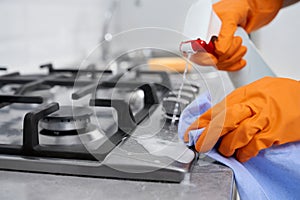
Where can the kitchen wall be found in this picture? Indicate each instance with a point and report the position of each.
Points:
(34, 32)
(40, 31)
(167, 17)
(279, 42)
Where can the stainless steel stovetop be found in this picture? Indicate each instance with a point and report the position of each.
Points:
(71, 122)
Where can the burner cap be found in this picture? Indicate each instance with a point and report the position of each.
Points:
(67, 118)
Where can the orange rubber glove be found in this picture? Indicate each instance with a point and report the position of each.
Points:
(251, 118)
(249, 14)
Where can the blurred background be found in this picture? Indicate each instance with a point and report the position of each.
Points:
(64, 32)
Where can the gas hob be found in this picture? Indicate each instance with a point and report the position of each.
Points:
(74, 123)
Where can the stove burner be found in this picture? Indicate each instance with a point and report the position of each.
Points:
(90, 137)
(67, 119)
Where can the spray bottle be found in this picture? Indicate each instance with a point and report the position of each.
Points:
(202, 26)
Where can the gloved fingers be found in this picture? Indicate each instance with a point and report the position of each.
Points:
(231, 59)
(225, 37)
(234, 67)
(221, 124)
(205, 118)
(260, 141)
(236, 56)
(228, 27)
(232, 50)
(239, 137)
(193, 136)
(204, 59)
(199, 123)
(203, 121)
(235, 62)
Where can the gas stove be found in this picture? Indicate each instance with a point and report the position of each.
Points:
(72, 122)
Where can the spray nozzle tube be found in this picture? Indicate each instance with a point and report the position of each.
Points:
(198, 45)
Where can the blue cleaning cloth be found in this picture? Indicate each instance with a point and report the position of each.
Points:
(190, 114)
(273, 174)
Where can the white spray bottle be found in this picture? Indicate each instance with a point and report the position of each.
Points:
(202, 22)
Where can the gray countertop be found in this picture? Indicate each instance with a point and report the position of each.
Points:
(208, 180)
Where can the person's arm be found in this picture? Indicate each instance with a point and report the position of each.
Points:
(288, 2)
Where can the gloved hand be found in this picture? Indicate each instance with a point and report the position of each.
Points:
(250, 15)
(251, 118)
